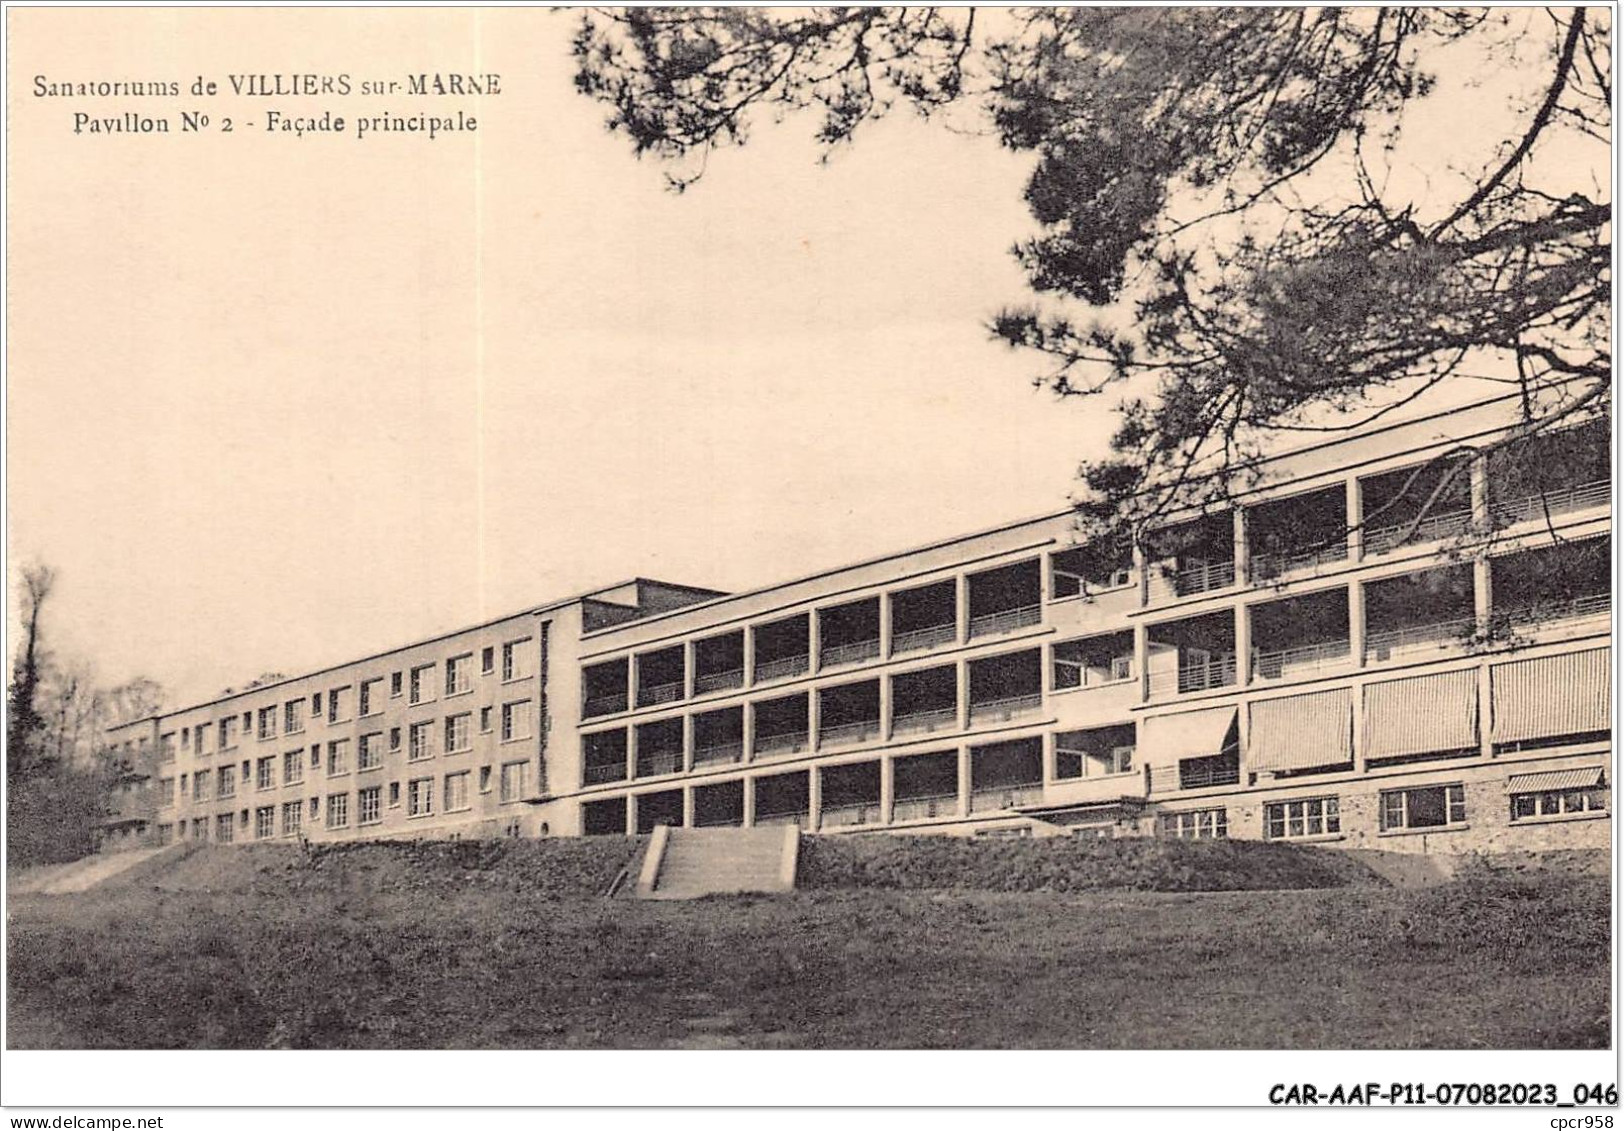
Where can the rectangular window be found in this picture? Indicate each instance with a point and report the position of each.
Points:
(421, 741)
(457, 737)
(315, 757)
(394, 794)
(1313, 816)
(513, 780)
(420, 797)
(515, 720)
(337, 707)
(293, 716)
(200, 740)
(338, 757)
(487, 661)
(267, 723)
(1428, 807)
(365, 698)
(292, 817)
(265, 822)
(1556, 803)
(228, 733)
(293, 767)
(371, 693)
(456, 791)
(315, 705)
(1198, 824)
(200, 785)
(369, 805)
(265, 772)
(422, 684)
(513, 660)
(166, 746)
(224, 830)
(166, 790)
(394, 685)
(369, 755)
(200, 828)
(394, 738)
(459, 674)
(228, 782)
(484, 779)
(247, 721)
(338, 810)
(484, 720)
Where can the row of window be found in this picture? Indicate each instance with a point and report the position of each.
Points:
(423, 798)
(420, 680)
(1420, 807)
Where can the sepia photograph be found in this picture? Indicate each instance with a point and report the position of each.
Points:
(1063, 530)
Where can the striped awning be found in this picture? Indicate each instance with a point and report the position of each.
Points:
(1194, 734)
(1551, 696)
(1553, 781)
(1298, 732)
(1421, 715)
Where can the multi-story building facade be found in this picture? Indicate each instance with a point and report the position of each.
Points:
(1392, 641)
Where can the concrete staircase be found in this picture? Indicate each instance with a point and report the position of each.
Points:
(688, 863)
(83, 874)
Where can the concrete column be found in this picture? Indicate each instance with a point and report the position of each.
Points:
(1243, 553)
(1482, 593)
(1480, 493)
(687, 744)
(749, 655)
(887, 787)
(1356, 623)
(814, 798)
(688, 669)
(886, 708)
(961, 604)
(631, 681)
(1141, 570)
(964, 781)
(1485, 729)
(1048, 760)
(1045, 575)
(814, 714)
(749, 815)
(1356, 519)
(631, 814)
(1243, 644)
(1141, 659)
(885, 626)
(631, 753)
(749, 735)
(688, 807)
(812, 636)
(963, 671)
(1358, 728)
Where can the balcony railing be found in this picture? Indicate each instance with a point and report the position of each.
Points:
(597, 774)
(718, 681)
(1005, 796)
(1005, 709)
(1562, 500)
(788, 817)
(1387, 643)
(1433, 528)
(718, 753)
(1008, 620)
(652, 764)
(855, 813)
(1570, 608)
(919, 639)
(839, 655)
(782, 668)
(1071, 675)
(1274, 563)
(847, 734)
(657, 693)
(783, 742)
(1279, 663)
(1170, 779)
(924, 808)
(1194, 677)
(925, 722)
(1204, 578)
(604, 704)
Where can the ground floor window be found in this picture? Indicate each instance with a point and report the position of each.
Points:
(166, 833)
(1197, 824)
(264, 822)
(456, 791)
(420, 797)
(1314, 816)
(292, 817)
(338, 810)
(223, 828)
(369, 805)
(1426, 807)
(1555, 802)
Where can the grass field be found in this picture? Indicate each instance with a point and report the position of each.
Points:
(509, 946)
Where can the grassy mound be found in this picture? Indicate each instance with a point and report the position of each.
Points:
(1070, 864)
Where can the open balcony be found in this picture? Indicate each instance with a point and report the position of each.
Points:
(1419, 614)
(1006, 775)
(1300, 636)
(783, 649)
(719, 663)
(1193, 654)
(662, 808)
(1081, 571)
(719, 805)
(925, 702)
(660, 748)
(1096, 752)
(719, 737)
(1193, 557)
(660, 676)
(784, 799)
(604, 818)
(1193, 750)
(1298, 534)
(850, 795)
(603, 688)
(1550, 476)
(849, 715)
(603, 758)
(849, 634)
(924, 618)
(1552, 586)
(1094, 661)
(925, 786)
(1006, 599)
(1006, 688)
(781, 727)
(1426, 502)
